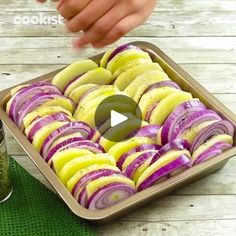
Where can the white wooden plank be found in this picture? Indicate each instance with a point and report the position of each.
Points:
(220, 183)
(228, 100)
(173, 228)
(217, 78)
(58, 50)
(160, 24)
(172, 208)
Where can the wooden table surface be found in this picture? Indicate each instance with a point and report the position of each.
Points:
(199, 35)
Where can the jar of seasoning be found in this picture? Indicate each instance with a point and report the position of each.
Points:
(5, 182)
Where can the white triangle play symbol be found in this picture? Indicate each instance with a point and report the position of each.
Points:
(117, 118)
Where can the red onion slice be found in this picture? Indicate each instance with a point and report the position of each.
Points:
(90, 177)
(207, 156)
(177, 144)
(134, 165)
(178, 116)
(36, 101)
(182, 161)
(149, 131)
(62, 146)
(220, 127)
(71, 82)
(26, 94)
(195, 119)
(213, 151)
(82, 198)
(110, 195)
(40, 123)
(69, 128)
(140, 148)
(88, 144)
(167, 83)
(121, 49)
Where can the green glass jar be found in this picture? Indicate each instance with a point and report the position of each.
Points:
(5, 182)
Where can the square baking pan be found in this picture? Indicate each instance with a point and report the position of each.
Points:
(187, 83)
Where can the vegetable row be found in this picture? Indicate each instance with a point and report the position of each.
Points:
(178, 131)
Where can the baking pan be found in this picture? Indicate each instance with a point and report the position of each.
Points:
(177, 74)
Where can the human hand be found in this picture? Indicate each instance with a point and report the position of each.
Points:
(103, 21)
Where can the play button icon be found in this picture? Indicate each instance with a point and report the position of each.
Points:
(117, 118)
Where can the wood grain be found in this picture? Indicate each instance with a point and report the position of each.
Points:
(173, 228)
(50, 50)
(201, 36)
(166, 24)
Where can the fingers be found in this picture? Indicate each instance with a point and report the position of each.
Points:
(101, 27)
(70, 8)
(126, 25)
(119, 30)
(89, 15)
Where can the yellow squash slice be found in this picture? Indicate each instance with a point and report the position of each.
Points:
(129, 65)
(78, 164)
(66, 76)
(43, 133)
(94, 185)
(77, 93)
(138, 172)
(141, 82)
(59, 159)
(98, 76)
(122, 147)
(102, 90)
(120, 132)
(84, 109)
(75, 179)
(158, 140)
(167, 105)
(43, 111)
(151, 98)
(103, 62)
(164, 160)
(125, 78)
(120, 59)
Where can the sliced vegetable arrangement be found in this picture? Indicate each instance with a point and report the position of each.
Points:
(178, 131)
